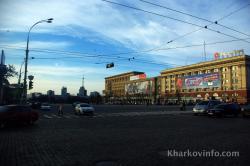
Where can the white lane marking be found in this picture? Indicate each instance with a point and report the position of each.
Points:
(47, 116)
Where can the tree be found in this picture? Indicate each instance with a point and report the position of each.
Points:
(11, 72)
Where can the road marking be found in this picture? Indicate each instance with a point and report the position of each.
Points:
(67, 116)
(56, 116)
(47, 116)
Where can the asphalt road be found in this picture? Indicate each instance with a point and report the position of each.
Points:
(125, 136)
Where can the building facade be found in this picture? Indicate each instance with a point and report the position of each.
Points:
(64, 91)
(82, 92)
(132, 88)
(51, 93)
(115, 85)
(226, 79)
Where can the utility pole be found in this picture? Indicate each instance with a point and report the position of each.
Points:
(205, 55)
(24, 95)
(3, 71)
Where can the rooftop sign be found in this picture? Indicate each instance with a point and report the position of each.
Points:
(137, 77)
(221, 55)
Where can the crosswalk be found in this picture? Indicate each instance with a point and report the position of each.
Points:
(55, 116)
(120, 114)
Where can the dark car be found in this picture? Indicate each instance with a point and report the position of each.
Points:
(35, 105)
(225, 109)
(245, 110)
(17, 114)
(202, 107)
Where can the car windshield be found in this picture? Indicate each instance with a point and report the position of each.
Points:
(220, 106)
(84, 105)
(203, 103)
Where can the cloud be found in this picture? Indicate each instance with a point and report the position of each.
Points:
(135, 29)
(39, 44)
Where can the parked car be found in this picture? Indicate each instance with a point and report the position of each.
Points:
(245, 110)
(35, 105)
(75, 103)
(17, 114)
(84, 108)
(45, 106)
(203, 106)
(225, 109)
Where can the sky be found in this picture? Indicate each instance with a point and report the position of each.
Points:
(86, 35)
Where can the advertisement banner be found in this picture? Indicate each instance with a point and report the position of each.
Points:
(139, 87)
(209, 80)
(137, 77)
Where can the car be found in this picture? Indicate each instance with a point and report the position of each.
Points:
(45, 106)
(245, 110)
(75, 103)
(203, 106)
(17, 114)
(84, 109)
(35, 105)
(225, 109)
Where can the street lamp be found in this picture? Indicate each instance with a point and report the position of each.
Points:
(27, 56)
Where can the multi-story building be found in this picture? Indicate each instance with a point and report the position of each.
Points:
(64, 91)
(223, 78)
(51, 93)
(132, 88)
(82, 92)
(115, 85)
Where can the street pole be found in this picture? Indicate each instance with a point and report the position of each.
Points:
(27, 56)
(20, 73)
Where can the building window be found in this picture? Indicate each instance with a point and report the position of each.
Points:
(216, 70)
(234, 81)
(234, 68)
(208, 71)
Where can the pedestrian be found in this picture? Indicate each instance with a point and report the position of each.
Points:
(60, 109)
(183, 105)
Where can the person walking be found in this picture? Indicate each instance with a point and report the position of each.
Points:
(60, 109)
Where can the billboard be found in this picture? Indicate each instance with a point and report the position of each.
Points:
(209, 80)
(221, 55)
(144, 87)
(137, 77)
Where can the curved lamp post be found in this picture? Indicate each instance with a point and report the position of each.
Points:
(27, 56)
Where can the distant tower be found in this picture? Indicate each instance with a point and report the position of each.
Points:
(82, 90)
(83, 81)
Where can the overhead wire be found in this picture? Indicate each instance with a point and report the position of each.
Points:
(109, 56)
(200, 18)
(161, 15)
(89, 56)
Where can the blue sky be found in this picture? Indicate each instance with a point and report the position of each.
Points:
(94, 27)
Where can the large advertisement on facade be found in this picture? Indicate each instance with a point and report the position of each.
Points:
(144, 87)
(209, 80)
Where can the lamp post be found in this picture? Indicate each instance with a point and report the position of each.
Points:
(27, 56)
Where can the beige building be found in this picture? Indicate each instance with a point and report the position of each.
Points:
(115, 85)
(225, 79)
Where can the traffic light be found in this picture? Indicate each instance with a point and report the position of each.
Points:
(110, 65)
(30, 84)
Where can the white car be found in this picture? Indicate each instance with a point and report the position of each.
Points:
(84, 108)
(45, 106)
